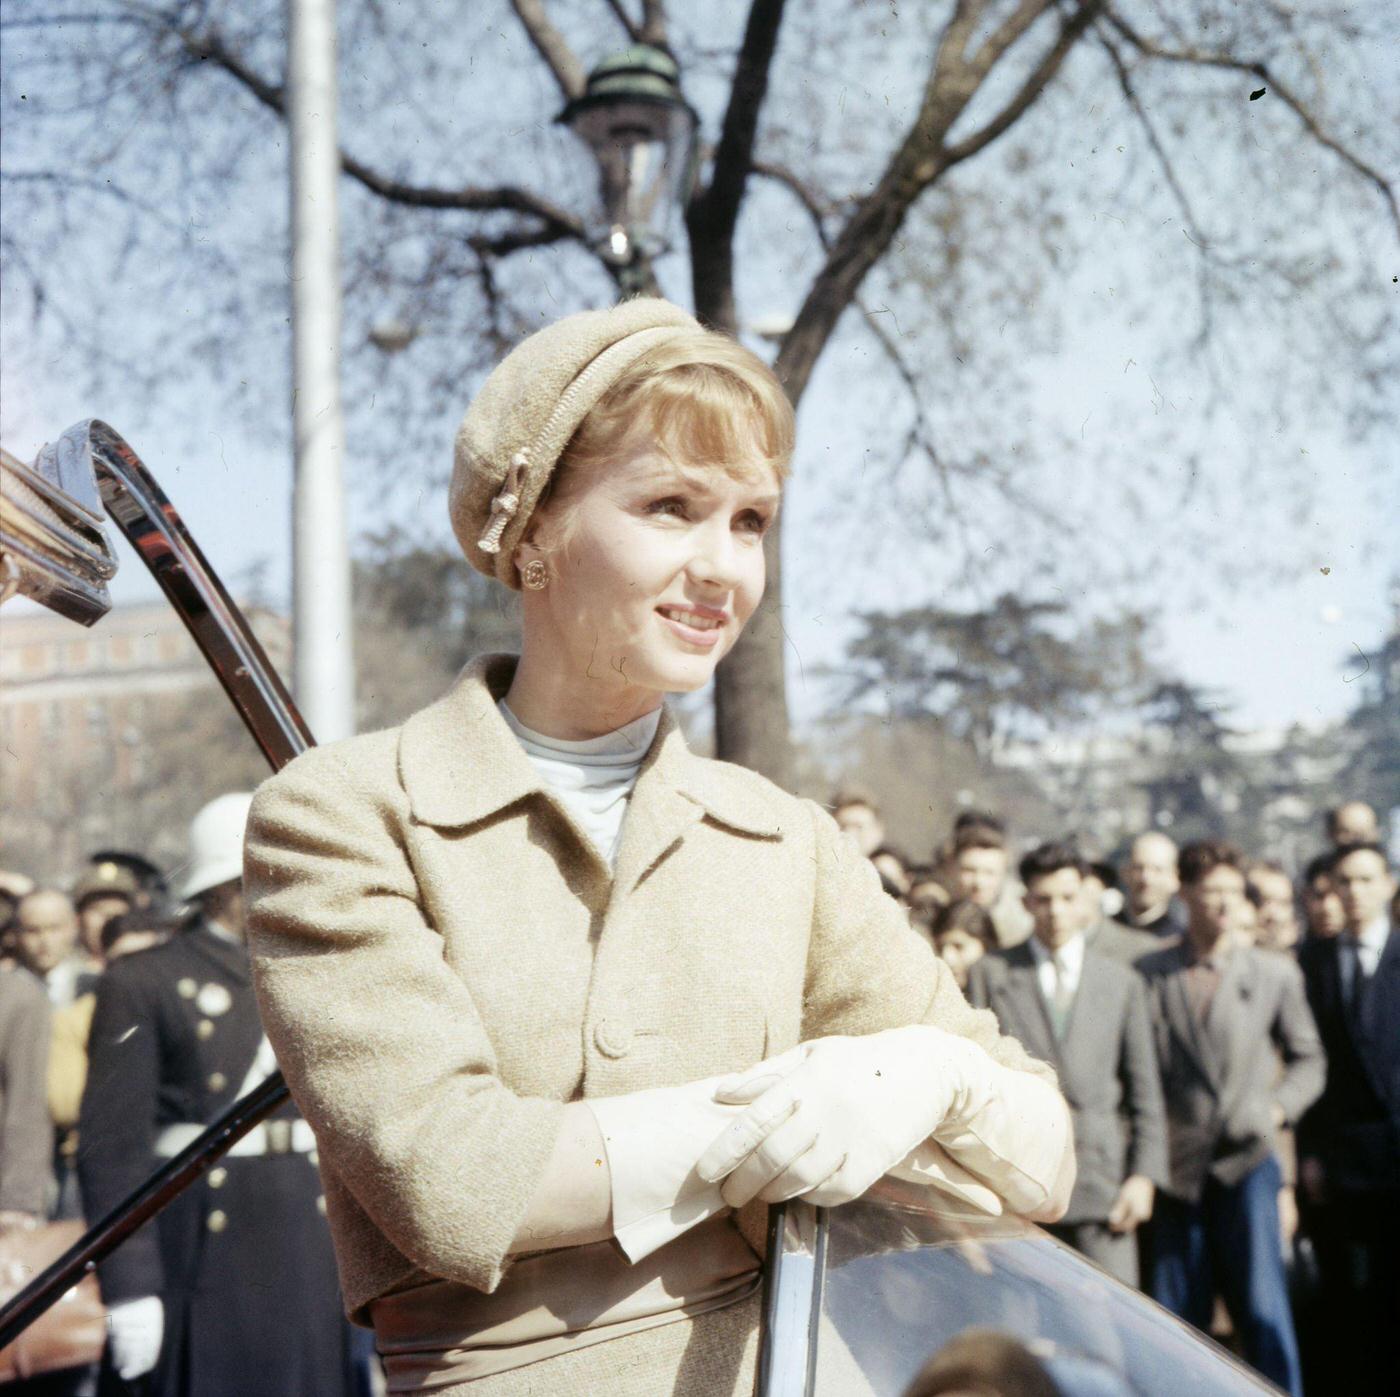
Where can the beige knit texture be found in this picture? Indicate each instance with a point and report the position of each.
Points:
(516, 411)
(442, 958)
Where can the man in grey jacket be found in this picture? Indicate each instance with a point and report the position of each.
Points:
(1086, 1014)
(26, 1132)
(1225, 1015)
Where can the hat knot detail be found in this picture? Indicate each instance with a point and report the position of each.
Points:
(504, 505)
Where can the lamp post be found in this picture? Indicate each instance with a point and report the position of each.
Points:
(642, 134)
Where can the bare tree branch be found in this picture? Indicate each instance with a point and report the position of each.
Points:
(713, 214)
(919, 162)
(1205, 58)
(558, 223)
(551, 46)
(625, 20)
(653, 30)
(1071, 31)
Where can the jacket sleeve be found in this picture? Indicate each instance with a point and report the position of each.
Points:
(117, 1123)
(378, 1038)
(26, 1133)
(1295, 1032)
(1143, 1102)
(869, 970)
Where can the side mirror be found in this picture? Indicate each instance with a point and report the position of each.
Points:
(54, 546)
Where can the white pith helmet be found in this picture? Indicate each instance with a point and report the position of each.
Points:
(216, 843)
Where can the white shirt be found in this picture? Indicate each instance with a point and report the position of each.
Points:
(1058, 969)
(1371, 943)
(594, 778)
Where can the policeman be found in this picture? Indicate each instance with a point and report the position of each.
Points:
(234, 1290)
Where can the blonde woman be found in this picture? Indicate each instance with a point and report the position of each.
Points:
(567, 1005)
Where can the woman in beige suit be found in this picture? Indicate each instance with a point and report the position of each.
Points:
(566, 1005)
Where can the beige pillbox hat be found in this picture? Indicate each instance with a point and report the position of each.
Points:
(527, 411)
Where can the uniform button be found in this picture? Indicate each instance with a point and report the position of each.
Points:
(613, 1039)
(217, 1081)
(217, 1221)
(188, 988)
(321, 1204)
(218, 1177)
(314, 1156)
(204, 1030)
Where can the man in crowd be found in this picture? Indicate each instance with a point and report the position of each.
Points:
(234, 1290)
(1086, 1015)
(46, 943)
(1349, 1143)
(1353, 822)
(1150, 881)
(1276, 911)
(1322, 908)
(26, 1136)
(979, 859)
(104, 891)
(1224, 1015)
(857, 815)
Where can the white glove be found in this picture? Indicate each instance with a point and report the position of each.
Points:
(828, 1119)
(653, 1140)
(136, 1327)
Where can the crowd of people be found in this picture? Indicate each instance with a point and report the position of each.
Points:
(1228, 1039)
(111, 1063)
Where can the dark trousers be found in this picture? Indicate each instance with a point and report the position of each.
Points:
(1355, 1315)
(1230, 1242)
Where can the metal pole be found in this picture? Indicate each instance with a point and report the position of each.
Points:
(323, 655)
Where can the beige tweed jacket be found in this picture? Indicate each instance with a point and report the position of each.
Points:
(442, 959)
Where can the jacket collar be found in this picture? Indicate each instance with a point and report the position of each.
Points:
(459, 763)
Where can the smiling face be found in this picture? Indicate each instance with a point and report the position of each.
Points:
(654, 569)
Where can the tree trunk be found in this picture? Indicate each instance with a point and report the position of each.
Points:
(751, 712)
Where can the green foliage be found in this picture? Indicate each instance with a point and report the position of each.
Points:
(1019, 669)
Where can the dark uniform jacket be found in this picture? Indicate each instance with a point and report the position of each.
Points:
(242, 1259)
(1106, 1063)
(1221, 1079)
(1354, 1128)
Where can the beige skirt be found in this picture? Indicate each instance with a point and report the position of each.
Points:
(712, 1355)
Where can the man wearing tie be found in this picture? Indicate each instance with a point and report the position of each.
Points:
(1225, 1017)
(1087, 1015)
(1349, 1143)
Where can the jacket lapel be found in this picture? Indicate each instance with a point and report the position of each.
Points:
(675, 790)
(1027, 1003)
(1383, 989)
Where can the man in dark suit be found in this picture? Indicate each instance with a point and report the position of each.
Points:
(1224, 1014)
(1150, 883)
(1349, 1142)
(234, 1290)
(1087, 1015)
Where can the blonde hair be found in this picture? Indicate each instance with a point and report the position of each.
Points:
(703, 399)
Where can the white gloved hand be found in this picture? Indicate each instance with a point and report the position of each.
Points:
(136, 1327)
(653, 1139)
(827, 1120)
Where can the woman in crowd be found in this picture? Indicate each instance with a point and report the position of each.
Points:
(565, 1004)
(963, 932)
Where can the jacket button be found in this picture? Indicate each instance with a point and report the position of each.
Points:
(217, 1081)
(321, 1204)
(204, 1030)
(216, 1221)
(613, 1039)
(218, 1177)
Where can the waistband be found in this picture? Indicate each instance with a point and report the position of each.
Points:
(435, 1333)
(267, 1137)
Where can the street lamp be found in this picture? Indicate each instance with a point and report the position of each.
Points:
(642, 133)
